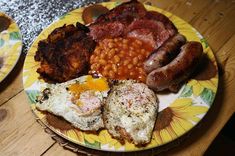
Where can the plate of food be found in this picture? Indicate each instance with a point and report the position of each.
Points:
(10, 45)
(120, 77)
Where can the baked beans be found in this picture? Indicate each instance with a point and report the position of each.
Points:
(120, 58)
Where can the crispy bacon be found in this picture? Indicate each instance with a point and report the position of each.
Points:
(131, 19)
(150, 31)
(107, 30)
(125, 13)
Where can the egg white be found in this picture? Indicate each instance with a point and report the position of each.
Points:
(130, 112)
(59, 103)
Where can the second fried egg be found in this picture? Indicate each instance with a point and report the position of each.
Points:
(130, 112)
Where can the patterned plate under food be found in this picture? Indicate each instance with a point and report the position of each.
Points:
(10, 45)
(178, 113)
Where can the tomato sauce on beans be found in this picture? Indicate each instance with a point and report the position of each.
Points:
(120, 58)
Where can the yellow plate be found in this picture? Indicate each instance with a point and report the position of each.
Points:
(10, 45)
(178, 113)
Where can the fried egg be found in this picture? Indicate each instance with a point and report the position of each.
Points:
(130, 112)
(78, 101)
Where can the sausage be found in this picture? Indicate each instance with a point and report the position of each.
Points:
(165, 54)
(178, 70)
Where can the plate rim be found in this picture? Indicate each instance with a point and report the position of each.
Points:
(9, 70)
(139, 149)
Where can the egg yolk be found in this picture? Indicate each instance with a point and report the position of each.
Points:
(96, 84)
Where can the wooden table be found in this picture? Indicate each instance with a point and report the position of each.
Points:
(20, 134)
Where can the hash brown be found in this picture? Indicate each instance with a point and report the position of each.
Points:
(65, 54)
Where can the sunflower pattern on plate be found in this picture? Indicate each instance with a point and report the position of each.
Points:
(204, 85)
(10, 45)
(178, 114)
(177, 119)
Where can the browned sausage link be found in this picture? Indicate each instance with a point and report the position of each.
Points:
(165, 54)
(175, 87)
(178, 70)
